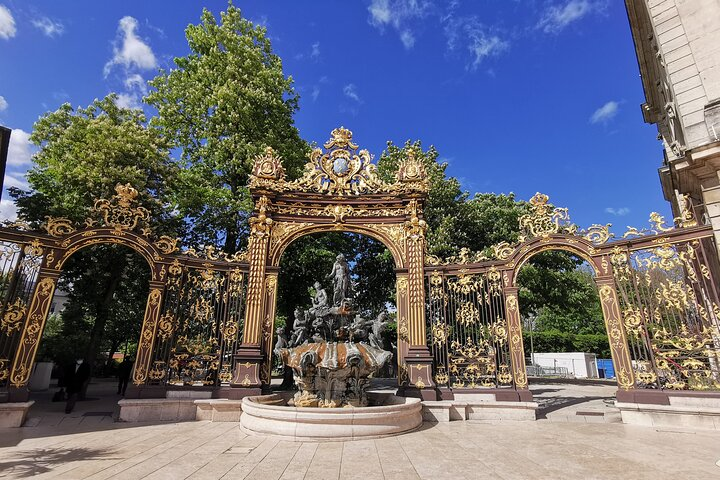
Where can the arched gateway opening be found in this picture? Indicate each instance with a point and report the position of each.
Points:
(339, 191)
(308, 266)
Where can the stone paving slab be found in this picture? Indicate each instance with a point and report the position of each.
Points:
(456, 450)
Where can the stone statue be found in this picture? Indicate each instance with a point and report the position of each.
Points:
(375, 336)
(340, 275)
(282, 341)
(300, 328)
(320, 306)
(334, 351)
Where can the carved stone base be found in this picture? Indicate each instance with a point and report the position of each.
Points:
(419, 364)
(12, 415)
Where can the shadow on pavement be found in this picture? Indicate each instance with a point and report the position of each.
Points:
(35, 462)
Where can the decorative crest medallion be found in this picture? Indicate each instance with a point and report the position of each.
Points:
(121, 213)
(267, 170)
(340, 169)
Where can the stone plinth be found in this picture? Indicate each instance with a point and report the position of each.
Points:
(262, 415)
(218, 410)
(12, 415)
(157, 410)
(478, 409)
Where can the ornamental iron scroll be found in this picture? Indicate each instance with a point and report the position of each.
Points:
(670, 310)
(467, 330)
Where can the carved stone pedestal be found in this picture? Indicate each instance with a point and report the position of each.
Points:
(246, 377)
(419, 369)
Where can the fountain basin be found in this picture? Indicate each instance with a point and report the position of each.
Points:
(268, 415)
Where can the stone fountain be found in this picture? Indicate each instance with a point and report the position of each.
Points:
(333, 353)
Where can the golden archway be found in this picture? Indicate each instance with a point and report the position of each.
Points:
(340, 190)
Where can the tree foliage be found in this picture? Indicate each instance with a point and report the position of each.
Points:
(84, 153)
(456, 220)
(560, 294)
(221, 105)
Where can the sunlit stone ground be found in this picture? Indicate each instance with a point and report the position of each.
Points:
(92, 446)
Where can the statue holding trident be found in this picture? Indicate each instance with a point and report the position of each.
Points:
(340, 275)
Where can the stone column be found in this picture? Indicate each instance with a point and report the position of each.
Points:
(30, 338)
(147, 333)
(249, 357)
(515, 343)
(616, 332)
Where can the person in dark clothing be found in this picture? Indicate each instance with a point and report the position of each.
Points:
(124, 375)
(75, 384)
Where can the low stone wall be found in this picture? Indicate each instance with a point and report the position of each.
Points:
(218, 410)
(12, 415)
(157, 410)
(482, 410)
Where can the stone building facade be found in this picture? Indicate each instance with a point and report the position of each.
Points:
(678, 48)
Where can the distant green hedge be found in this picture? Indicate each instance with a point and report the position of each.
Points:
(556, 341)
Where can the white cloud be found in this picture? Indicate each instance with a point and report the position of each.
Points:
(315, 54)
(7, 23)
(12, 180)
(128, 100)
(621, 211)
(20, 150)
(407, 38)
(605, 113)
(399, 14)
(315, 92)
(136, 82)
(132, 51)
(350, 91)
(3, 103)
(480, 40)
(379, 12)
(482, 46)
(49, 27)
(559, 16)
(8, 210)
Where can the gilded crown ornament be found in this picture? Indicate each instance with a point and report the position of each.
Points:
(341, 169)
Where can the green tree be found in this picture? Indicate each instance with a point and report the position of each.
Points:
(561, 294)
(456, 220)
(83, 154)
(221, 105)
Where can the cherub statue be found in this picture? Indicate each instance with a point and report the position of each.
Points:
(320, 306)
(300, 328)
(282, 341)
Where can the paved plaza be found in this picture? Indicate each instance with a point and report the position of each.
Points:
(458, 450)
(566, 444)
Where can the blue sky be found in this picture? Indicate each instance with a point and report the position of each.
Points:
(517, 95)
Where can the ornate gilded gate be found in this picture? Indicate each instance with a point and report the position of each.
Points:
(657, 290)
(209, 316)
